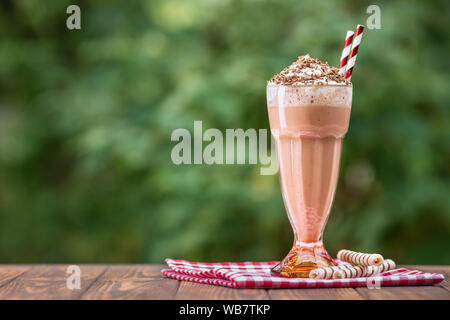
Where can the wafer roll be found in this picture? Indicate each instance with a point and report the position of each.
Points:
(327, 273)
(341, 272)
(347, 271)
(370, 271)
(353, 271)
(387, 265)
(357, 271)
(359, 258)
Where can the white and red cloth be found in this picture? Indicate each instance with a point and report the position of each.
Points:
(257, 275)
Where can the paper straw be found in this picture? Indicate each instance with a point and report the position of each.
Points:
(346, 52)
(354, 51)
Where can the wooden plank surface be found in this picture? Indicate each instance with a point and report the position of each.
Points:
(405, 293)
(10, 272)
(132, 282)
(146, 282)
(315, 294)
(192, 290)
(48, 282)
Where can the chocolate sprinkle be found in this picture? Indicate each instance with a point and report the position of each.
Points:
(307, 70)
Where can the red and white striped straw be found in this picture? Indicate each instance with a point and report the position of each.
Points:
(355, 47)
(346, 52)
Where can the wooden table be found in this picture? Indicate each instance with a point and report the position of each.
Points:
(146, 282)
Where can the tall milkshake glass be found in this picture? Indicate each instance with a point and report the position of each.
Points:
(308, 122)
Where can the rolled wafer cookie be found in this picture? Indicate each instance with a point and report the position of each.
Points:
(374, 270)
(387, 265)
(327, 273)
(359, 258)
(343, 272)
(370, 271)
(353, 271)
(357, 271)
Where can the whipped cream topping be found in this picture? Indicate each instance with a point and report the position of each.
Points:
(307, 70)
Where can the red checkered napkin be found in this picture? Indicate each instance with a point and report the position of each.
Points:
(257, 275)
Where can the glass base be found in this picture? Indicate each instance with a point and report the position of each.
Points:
(303, 257)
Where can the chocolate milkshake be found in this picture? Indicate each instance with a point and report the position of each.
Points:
(309, 107)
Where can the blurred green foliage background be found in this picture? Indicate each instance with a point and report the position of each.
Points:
(86, 118)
